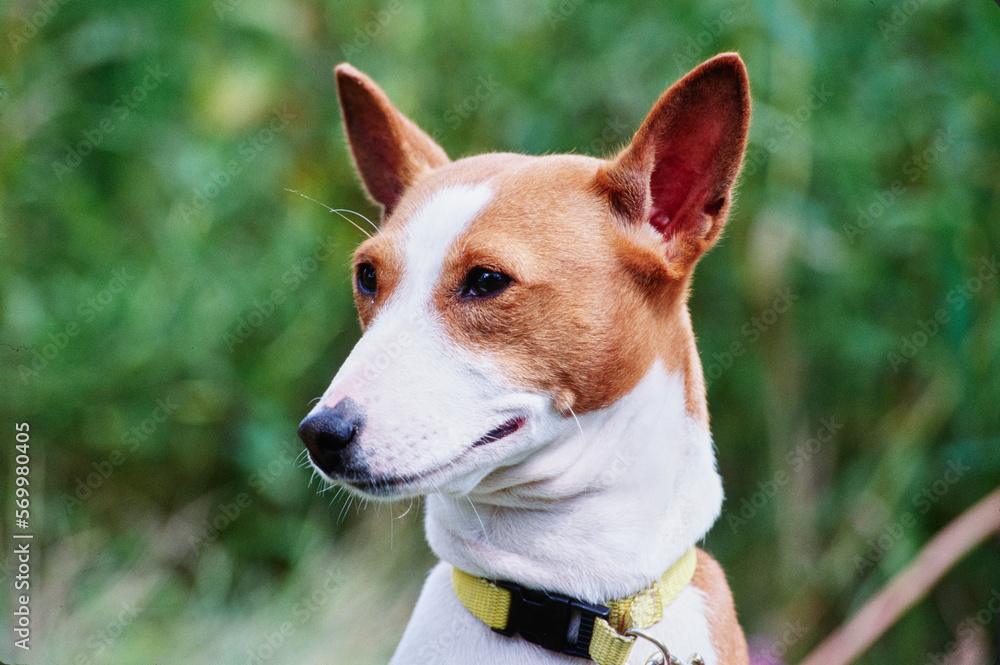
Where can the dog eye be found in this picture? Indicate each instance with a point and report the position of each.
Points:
(483, 283)
(367, 281)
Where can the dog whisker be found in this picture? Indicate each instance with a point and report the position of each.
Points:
(576, 419)
(355, 212)
(347, 507)
(335, 210)
(481, 525)
(408, 509)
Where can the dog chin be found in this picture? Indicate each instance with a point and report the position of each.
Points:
(384, 487)
(389, 487)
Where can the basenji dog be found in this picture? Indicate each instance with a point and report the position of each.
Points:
(528, 364)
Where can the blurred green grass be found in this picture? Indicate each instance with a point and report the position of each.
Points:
(168, 269)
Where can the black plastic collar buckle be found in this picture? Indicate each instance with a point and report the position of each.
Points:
(552, 621)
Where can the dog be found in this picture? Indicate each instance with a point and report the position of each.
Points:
(528, 363)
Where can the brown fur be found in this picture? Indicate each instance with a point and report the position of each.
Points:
(390, 152)
(677, 172)
(727, 635)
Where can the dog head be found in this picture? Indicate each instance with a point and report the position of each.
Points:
(504, 294)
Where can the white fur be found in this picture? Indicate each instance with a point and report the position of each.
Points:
(598, 512)
(432, 232)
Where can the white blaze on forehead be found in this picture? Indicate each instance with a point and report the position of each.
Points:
(408, 377)
(431, 232)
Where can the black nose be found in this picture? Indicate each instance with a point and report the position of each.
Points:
(329, 432)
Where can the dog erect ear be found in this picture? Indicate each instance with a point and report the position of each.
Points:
(677, 173)
(389, 150)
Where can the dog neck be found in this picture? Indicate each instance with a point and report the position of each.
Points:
(603, 506)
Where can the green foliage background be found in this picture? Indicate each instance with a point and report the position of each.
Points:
(869, 199)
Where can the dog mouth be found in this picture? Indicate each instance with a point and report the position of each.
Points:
(498, 433)
(389, 485)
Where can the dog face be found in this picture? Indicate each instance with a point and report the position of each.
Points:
(504, 295)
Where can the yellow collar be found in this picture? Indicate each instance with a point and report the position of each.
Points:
(567, 625)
